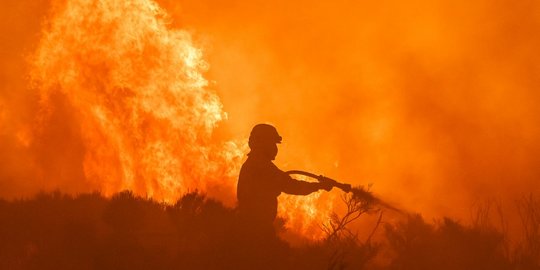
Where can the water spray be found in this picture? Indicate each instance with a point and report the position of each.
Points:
(358, 192)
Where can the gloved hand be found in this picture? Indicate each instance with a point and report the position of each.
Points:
(325, 184)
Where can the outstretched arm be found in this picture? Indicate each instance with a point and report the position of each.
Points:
(298, 187)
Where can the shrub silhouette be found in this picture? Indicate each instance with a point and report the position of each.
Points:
(445, 245)
(89, 231)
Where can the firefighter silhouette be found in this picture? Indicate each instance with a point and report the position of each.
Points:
(261, 182)
(259, 185)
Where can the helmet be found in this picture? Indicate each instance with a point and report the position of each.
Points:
(263, 133)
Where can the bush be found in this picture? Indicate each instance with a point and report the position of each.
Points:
(89, 231)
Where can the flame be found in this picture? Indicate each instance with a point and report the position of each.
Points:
(141, 103)
(305, 215)
(137, 89)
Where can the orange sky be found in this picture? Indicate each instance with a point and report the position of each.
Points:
(434, 102)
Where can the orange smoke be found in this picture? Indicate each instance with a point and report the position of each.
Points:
(434, 102)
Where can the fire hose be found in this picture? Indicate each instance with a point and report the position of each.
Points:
(358, 192)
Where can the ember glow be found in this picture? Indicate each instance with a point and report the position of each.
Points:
(433, 102)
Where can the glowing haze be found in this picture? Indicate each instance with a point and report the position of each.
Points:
(434, 102)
